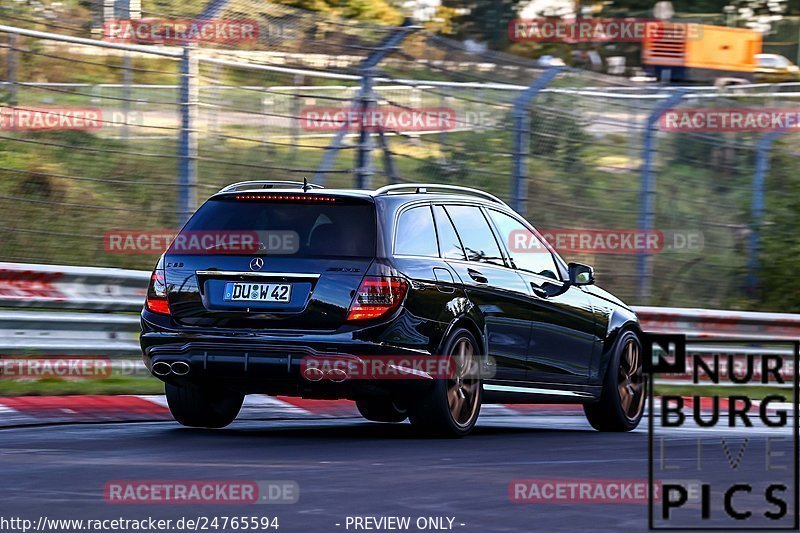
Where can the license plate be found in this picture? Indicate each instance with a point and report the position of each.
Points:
(258, 292)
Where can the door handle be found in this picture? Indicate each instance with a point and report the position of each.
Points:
(538, 291)
(477, 276)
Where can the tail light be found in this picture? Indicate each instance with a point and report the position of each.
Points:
(288, 198)
(157, 291)
(377, 297)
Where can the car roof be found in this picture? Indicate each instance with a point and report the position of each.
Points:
(402, 192)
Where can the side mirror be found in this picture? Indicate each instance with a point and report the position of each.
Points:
(580, 274)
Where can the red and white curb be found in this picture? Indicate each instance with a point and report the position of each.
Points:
(23, 410)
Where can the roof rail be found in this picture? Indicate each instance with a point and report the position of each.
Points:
(419, 188)
(263, 184)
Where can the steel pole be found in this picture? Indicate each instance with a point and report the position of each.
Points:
(519, 183)
(187, 173)
(647, 198)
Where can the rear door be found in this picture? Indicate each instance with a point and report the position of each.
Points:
(562, 320)
(416, 255)
(271, 261)
(497, 290)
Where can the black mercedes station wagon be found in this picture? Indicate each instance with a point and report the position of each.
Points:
(416, 301)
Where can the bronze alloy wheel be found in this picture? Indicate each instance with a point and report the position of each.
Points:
(462, 388)
(631, 380)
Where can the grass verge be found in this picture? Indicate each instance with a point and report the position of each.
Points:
(115, 384)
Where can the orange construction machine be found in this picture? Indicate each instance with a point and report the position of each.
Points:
(687, 52)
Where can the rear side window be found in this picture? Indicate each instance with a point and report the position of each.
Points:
(449, 245)
(476, 235)
(415, 233)
(342, 229)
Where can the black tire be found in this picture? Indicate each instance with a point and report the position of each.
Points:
(203, 407)
(381, 410)
(624, 394)
(434, 414)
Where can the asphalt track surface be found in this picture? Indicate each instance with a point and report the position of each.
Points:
(344, 467)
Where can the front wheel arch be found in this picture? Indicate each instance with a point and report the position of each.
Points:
(609, 413)
(613, 333)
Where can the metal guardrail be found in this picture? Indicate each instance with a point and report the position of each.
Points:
(69, 287)
(36, 299)
(708, 323)
(102, 300)
(59, 333)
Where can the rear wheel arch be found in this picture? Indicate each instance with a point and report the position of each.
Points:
(470, 325)
(452, 405)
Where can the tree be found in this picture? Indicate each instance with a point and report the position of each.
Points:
(645, 7)
(381, 11)
(780, 244)
(759, 14)
(745, 8)
(484, 20)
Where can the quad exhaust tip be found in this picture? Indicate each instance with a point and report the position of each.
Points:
(178, 368)
(313, 374)
(161, 368)
(335, 375)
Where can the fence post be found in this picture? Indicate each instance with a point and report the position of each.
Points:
(216, 100)
(11, 69)
(187, 173)
(127, 94)
(763, 149)
(336, 144)
(388, 163)
(519, 184)
(362, 102)
(295, 112)
(648, 192)
(364, 149)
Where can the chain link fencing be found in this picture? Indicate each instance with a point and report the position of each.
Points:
(575, 152)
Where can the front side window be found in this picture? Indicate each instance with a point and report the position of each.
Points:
(476, 234)
(526, 249)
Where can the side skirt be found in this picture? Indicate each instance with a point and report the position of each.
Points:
(518, 392)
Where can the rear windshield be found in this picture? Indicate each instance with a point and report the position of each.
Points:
(299, 229)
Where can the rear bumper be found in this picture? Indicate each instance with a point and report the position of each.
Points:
(272, 363)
